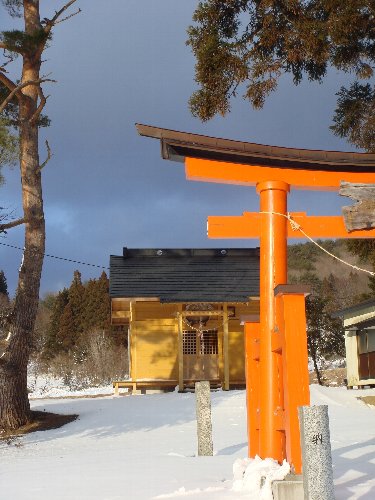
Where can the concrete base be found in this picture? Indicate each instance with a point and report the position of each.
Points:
(291, 488)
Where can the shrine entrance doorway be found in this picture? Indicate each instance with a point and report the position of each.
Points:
(201, 355)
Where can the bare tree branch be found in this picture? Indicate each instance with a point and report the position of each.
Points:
(15, 89)
(39, 109)
(9, 225)
(69, 17)
(10, 60)
(50, 23)
(7, 82)
(49, 156)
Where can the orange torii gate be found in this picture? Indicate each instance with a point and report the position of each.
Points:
(276, 345)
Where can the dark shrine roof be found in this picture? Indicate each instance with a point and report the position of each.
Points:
(186, 275)
(178, 145)
(356, 308)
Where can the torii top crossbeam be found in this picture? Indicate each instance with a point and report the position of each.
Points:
(236, 162)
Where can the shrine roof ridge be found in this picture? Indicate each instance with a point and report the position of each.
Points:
(189, 252)
(176, 146)
(186, 275)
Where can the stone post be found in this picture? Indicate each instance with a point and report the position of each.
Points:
(204, 425)
(316, 453)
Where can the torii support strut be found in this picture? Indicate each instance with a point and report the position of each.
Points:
(276, 350)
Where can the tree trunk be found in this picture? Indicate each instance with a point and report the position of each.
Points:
(312, 353)
(320, 382)
(14, 403)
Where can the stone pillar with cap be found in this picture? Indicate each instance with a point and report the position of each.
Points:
(316, 453)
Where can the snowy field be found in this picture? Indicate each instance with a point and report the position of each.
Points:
(144, 447)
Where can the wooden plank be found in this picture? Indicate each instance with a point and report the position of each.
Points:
(144, 384)
(351, 351)
(180, 353)
(133, 341)
(236, 353)
(155, 310)
(156, 322)
(361, 215)
(226, 347)
(202, 313)
(120, 305)
(120, 314)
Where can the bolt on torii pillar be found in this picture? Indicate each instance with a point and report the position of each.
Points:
(276, 346)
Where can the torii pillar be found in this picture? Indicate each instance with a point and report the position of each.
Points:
(276, 347)
(273, 271)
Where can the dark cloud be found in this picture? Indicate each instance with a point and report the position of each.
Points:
(119, 63)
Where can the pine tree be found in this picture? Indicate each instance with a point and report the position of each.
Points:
(96, 315)
(103, 312)
(24, 95)
(90, 304)
(3, 284)
(53, 345)
(365, 250)
(325, 334)
(67, 337)
(250, 44)
(4, 307)
(76, 303)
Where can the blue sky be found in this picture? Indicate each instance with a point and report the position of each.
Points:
(121, 62)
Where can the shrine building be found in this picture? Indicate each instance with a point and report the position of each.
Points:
(359, 325)
(183, 310)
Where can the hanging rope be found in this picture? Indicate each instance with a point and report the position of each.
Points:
(200, 330)
(296, 227)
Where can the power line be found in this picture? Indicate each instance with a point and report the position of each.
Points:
(56, 257)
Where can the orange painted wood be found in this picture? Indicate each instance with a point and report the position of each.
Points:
(273, 271)
(252, 332)
(234, 173)
(248, 226)
(291, 322)
(276, 342)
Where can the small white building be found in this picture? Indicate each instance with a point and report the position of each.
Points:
(359, 325)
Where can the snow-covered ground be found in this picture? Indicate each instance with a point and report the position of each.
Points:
(144, 447)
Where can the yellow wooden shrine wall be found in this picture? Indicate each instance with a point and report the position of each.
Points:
(153, 340)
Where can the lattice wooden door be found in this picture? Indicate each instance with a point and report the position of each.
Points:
(201, 355)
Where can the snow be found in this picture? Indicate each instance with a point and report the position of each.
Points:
(255, 476)
(144, 448)
(41, 387)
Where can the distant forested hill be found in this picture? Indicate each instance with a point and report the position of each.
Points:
(305, 259)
